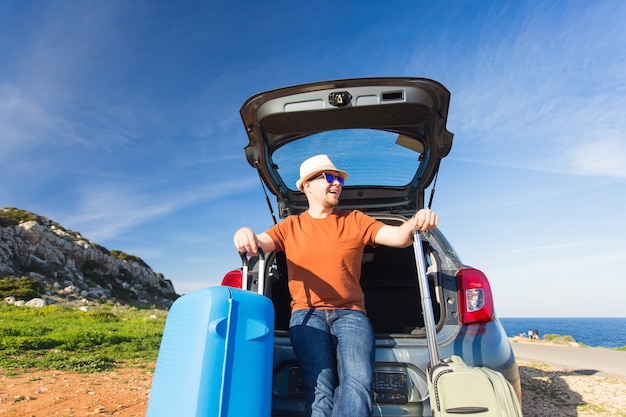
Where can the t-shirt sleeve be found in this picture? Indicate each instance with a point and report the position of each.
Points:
(369, 225)
(278, 233)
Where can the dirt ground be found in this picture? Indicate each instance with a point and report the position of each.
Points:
(552, 392)
(124, 393)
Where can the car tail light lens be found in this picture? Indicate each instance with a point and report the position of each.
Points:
(475, 296)
(233, 279)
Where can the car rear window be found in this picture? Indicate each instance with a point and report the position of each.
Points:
(371, 157)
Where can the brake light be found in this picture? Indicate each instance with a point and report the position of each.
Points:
(475, 298)
(233, 279)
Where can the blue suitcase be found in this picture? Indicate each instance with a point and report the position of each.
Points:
(215, 357)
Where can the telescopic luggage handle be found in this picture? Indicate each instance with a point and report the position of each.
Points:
(427, 306)
(244, 271)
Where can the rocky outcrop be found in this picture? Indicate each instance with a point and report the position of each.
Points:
(71, 268)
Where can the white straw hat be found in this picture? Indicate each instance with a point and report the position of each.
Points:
(316, 165)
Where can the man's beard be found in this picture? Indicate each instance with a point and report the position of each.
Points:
(330, 203)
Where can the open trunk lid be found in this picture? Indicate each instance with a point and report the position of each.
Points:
(388, 133)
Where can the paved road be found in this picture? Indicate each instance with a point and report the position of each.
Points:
(590, 361)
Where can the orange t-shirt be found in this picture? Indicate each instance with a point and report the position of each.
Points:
(324, 258)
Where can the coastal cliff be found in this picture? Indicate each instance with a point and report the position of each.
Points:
(64, 267)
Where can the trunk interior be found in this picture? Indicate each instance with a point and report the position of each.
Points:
(389, 281)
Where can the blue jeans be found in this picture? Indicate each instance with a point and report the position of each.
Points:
(335, 351)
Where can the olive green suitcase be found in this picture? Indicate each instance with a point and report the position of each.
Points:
(456, 388)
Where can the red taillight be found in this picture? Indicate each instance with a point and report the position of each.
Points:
(232, 279)
(475, 298)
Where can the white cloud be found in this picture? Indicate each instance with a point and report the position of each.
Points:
(25, 121)
(105, 211)
(602, 157)
(546, 95)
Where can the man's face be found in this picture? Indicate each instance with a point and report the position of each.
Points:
(324, 192)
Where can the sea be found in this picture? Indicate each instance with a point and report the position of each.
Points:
(596, 332)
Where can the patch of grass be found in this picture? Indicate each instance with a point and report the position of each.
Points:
(561, 340)
(590, 408)
(540, 366)
(62, 338)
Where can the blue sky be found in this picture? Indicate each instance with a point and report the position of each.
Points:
(120, 120)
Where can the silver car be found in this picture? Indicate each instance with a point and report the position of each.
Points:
(390, 134)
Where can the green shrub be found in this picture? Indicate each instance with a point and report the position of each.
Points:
(558, 339)
(22, 288)
(129, 258)
(10, 216)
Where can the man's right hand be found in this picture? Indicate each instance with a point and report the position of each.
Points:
(246, 241)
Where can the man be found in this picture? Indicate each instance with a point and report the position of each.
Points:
(331, 336)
